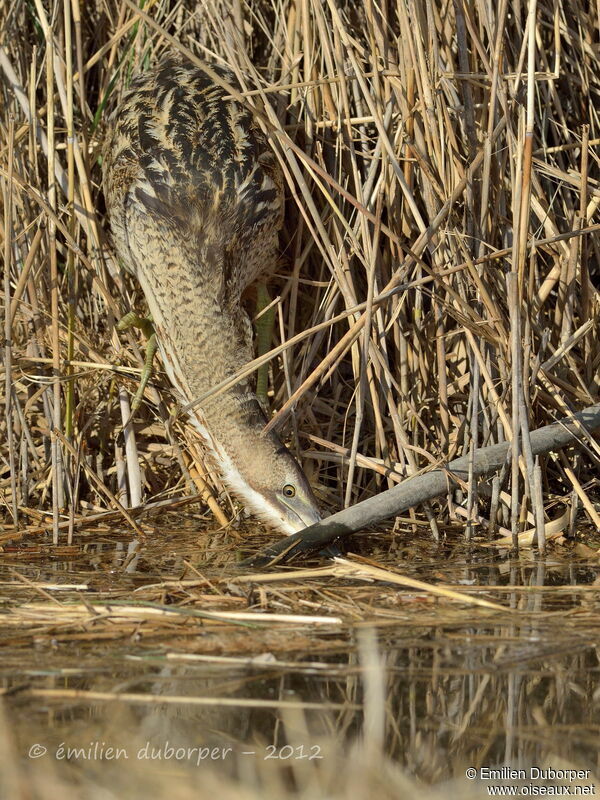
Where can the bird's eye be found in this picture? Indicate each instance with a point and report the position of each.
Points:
(289, 490)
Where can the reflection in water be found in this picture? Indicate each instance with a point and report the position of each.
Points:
(433, 685)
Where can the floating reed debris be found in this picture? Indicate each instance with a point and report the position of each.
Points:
(437, 286)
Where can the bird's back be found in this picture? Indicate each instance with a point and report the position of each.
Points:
(196, 161)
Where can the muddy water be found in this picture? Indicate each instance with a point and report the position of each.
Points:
(432, 685)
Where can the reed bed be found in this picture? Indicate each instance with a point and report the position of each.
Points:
(435, 292)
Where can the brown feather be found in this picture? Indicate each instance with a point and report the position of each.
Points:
(195, 202)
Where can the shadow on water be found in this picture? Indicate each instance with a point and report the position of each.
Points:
(127, 670)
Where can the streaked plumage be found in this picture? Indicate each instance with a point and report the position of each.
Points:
(194, 199)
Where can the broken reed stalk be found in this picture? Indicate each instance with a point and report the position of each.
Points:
(425, 487)
(8, 352)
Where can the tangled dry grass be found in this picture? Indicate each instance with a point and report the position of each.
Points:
(435, 292)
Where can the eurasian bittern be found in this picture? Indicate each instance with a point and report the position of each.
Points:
(195, 202)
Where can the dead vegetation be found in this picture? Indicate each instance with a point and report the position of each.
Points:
(389, 679)
(435, 296)
(435, 293)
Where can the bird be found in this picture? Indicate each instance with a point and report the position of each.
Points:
(194, 200)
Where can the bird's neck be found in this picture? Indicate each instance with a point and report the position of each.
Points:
(205, 338)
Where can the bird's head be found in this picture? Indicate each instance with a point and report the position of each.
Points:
(272, 486)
